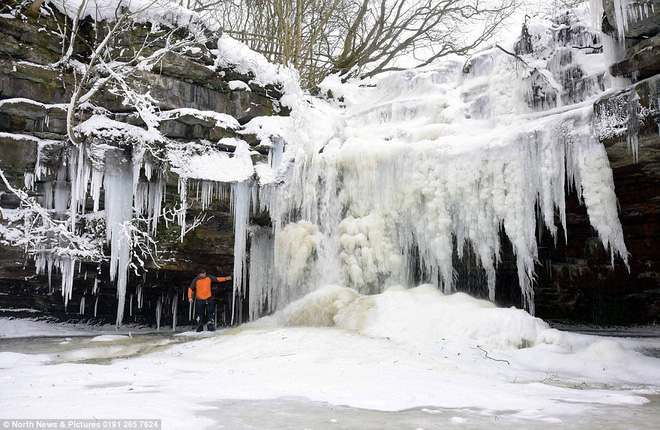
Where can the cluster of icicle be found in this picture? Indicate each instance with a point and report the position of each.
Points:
(627, 11)
(624, 113)
(434, 161)
(91, 168)
(133, 197)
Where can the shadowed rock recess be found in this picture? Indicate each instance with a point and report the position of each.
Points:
(576, 280)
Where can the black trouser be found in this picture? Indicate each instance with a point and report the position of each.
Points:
(209, 306)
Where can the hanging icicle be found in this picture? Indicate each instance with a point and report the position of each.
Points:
(241, 194)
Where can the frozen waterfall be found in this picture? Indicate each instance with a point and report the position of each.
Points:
(397, 177)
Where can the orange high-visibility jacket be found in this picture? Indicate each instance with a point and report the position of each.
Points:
(202, 286)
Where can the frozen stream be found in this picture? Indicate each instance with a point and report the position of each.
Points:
(403, 359)
(301, 413)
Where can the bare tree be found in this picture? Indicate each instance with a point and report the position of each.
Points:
(357, 37)
(421, 30)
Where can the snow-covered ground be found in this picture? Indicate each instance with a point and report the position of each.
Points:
(11, 328)
(335, 359)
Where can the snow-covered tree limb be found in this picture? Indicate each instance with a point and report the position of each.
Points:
(36, 230)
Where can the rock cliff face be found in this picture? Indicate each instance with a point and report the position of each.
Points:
(635, 24)
(577, 282)
(191, 90)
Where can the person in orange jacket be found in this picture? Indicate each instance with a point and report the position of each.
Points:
(201, 286)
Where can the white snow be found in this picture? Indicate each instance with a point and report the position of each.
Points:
(165, 12)
(20, 100)
(234, 54)
(27, 137)
(197, 161)
(269, 128)
(222, 119)
(238, 85)
(101, 125)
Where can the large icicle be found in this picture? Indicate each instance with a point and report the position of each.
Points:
(263, 291)
(118, 186)
(240, 199)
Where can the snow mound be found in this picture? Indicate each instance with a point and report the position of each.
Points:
(418, 315)
(424, 314)
(317, 309)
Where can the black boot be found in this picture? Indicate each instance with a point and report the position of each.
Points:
(211, 326)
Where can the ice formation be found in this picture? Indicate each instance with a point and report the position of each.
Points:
(430, 162)
(627, 11)
(421, 314)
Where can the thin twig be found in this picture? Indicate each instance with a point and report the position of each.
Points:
(596, 48)
(491, 358)
(512, 54)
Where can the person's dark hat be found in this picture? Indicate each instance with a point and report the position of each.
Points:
(201, 270)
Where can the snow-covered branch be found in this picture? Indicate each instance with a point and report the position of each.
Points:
(36, 230)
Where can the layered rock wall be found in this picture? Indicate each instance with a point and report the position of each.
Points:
(189, 89)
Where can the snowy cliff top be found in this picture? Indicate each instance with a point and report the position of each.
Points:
(229, 53)
(165, 12)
